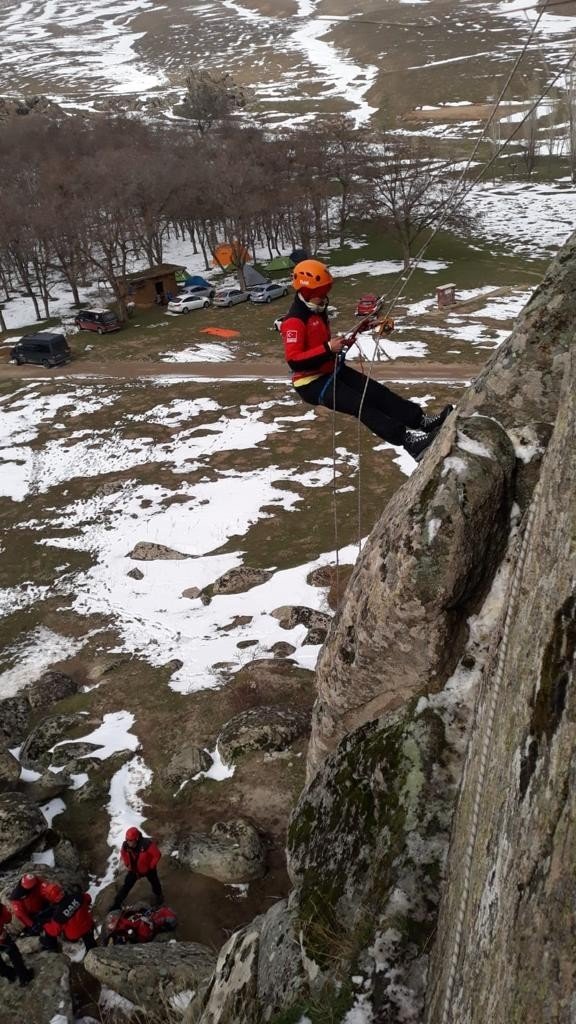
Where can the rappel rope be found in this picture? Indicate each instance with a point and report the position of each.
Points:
(455, 199)
(502, 654)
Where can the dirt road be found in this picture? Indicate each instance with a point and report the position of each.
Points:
(396, 369)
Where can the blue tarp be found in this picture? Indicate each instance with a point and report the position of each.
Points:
(197, 281)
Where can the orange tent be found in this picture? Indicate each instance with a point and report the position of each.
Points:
(230, 254)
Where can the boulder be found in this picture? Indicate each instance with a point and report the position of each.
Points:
(48, 786)
(21, 824)
(265, 728)
(145, 551)
(46, 1000)
(185, 764)
(135, 574)
(14, 719)
(9, 770)
(50, 688)
(104, 663)
(242, 578)
(69, 752)
(36, 746)
(290, 616)
(151, 976)
(282, 650)
(232, 853)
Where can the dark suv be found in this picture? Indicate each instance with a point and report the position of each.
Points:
(44, 349)
(100, 320)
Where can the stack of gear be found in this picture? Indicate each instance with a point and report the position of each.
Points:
(137, 924)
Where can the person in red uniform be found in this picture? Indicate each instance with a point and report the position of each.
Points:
(8, 948)
(70, 916)
(321, 379)
(140, 855)
(27, 901)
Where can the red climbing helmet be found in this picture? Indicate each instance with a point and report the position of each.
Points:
(133, 835)
(53, 892)
(28, 881)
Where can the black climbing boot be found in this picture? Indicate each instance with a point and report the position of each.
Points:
(417, 441)
(26, 977)
(430, 423)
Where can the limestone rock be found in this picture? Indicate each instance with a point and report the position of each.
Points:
(135, 574)
(290, 616)
(282, 649)
(47, 998)
(232, 853)
(50, 688)
(242, 578)
(36, 747)
(265, 728)
(145, 551)
(14, 719)
(185, 764)
(192, 593)
(9, 770)
(151, 975)
(21, 824)
(69, 752)
(48, 786)
(428, 560)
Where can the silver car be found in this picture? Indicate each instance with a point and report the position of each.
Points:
(267, 292)
(230, 296)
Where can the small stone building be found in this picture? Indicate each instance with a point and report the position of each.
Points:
(153, 286)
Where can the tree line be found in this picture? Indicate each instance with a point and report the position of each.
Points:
(87, 200)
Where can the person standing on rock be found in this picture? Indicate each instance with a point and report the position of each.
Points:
(70, 916)
(27, 901)
(321, 377)
(8, 948)
(141, 856)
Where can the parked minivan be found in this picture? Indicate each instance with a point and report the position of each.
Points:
(100, 320)
(44, 349)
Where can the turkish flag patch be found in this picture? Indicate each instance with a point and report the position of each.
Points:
(291, 337)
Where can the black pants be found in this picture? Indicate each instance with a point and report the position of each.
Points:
(387, 415)
(50, 942)
(130, 881)
(10, 949)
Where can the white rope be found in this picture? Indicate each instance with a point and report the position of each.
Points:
(468, 856)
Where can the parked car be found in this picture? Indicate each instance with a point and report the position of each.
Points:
(44, 349)
(197, 290)
(267, 292)
(366, 304)
(332, 313)
(230, 296)
(100, 320)
(184, 303)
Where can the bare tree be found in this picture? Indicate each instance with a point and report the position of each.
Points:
(211, 98)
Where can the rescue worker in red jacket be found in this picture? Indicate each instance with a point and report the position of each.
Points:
(27, 901)
(321, 379)
(8, 948)
(140, 855)
(70, 916)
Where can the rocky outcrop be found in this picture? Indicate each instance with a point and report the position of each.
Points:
(242, 578)
(50, 688)
(151, 975)
(430, 558)
(14, 719)
(146, 551)
(512, 867)
(264, 728)
(21, 825)
(414, 648)
(9, 770)
(185, 764)
(232, 853)
(46, 1000)
(37, 746)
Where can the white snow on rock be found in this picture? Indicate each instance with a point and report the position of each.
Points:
(112, 736)
(34, 654)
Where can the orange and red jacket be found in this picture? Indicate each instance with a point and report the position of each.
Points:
(26, 904)
(143, 858)
(306, 334)
(71, 917)
(5, 918)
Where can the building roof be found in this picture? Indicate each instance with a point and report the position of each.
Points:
(150, 272)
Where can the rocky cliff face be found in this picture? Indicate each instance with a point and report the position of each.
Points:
(474, 558)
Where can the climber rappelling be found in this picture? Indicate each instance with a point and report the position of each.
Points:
(321, 376)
